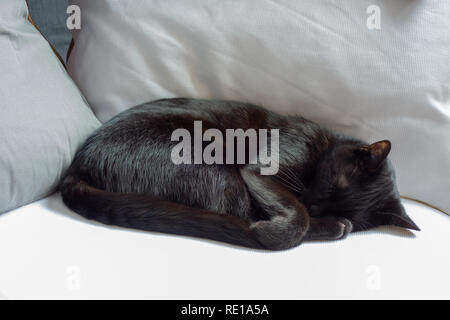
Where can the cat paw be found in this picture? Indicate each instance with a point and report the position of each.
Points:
(329, 228)
(345, 227)
(276, 235)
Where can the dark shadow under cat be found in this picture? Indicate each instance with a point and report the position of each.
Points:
(327, 185)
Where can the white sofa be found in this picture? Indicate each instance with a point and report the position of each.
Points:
(47, 251)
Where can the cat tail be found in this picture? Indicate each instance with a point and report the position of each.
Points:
(145, 212)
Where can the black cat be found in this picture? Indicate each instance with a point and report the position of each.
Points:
(327, 185)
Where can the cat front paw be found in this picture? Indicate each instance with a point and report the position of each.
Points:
(345, 227)
(329, 228)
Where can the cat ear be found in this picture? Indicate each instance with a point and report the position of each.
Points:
(395, 214)
(374, 154)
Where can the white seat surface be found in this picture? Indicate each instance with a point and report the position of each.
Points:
(47, 251)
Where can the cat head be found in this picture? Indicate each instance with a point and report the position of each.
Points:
(357, 182)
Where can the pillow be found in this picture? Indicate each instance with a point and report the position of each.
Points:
(43, 116)
(333, 62)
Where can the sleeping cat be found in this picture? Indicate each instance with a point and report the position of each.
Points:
(327, 185)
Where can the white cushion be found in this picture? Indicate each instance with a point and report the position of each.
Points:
(43, 116)
(315, 58)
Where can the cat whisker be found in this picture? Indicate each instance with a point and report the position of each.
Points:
(289, 184)
(290, 176)
(296, 180)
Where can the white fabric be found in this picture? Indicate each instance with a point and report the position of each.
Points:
(43, 116)
(47, 251)
(316, 58)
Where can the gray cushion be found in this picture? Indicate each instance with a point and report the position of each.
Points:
(43, 116)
